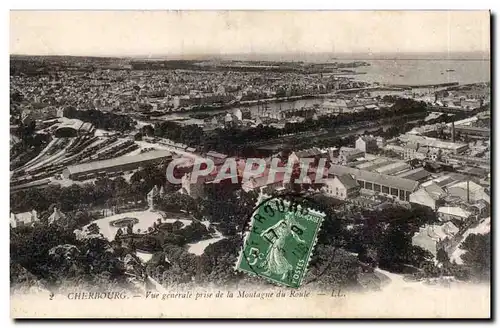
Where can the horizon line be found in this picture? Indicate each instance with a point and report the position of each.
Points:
(365, 55)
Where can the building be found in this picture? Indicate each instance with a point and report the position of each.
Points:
(468, 191)
(482, 209)
(411, 151)
(265, 183)
(238, 114)
(366, 144)
(388, 185)
(153, 196)
(419, 174)
(314, 152)
(348, 154)
(25, 219)
(58, 217)
(121, 164)
(398, 150)
(216, 155)
(434, 144)
(380, 142)
(393, 168)
(376, 163)
(448, 213)
(342, 187)
(431, 196)
(193, 189)
(471, 104)
(432, 237)
(450, 158)
(473, 131)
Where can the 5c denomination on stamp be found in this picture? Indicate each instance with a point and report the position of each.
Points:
(280, 240)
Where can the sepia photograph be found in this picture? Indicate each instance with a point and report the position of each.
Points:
(250, 164)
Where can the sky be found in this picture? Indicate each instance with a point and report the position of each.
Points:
(164, 33)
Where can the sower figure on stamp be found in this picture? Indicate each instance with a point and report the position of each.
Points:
(276, 261)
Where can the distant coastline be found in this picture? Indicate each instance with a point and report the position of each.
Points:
(291, 57)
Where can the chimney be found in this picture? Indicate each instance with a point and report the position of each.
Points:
(453, 131)
(468, 197)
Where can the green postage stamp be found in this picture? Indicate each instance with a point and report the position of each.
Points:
(280, 240)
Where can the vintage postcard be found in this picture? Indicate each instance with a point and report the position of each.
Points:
(250, 164)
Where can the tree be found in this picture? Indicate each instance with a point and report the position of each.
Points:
(129, 229)
(93, 229)
(82, 218)
(193, 232)
(148, 130)
(478, 255)
(333, 267)
(119, 233)
(173, 239)
(178, 202)
(442, 256)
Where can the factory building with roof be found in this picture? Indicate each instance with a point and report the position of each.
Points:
(115, 165)
(433, 144)
(377, 182)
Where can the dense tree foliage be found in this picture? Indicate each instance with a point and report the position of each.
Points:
(53, 255)
(102, 120)
(478, 255)
(103, 192)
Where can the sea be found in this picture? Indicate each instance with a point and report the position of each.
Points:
(397, 67)
(420, 71)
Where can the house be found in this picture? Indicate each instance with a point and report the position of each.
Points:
(265, 182)
(430, 196)
(432, 237)
(481, 208)
(342, 187)
(152, 197)
(468, 191)
(366, 144)
(424, 198)
(190, 188)
(433, 144)
(447, 213)
(380, 142)
(307, 153)
(333, 153)
(57, 217)
(348, 154)
(411, 151)
(25, 219)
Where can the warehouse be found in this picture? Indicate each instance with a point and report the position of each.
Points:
(115, 165)
(381, 183)
(473, 131)
(433, 143)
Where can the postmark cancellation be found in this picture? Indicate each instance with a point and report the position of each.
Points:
(280, 240)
